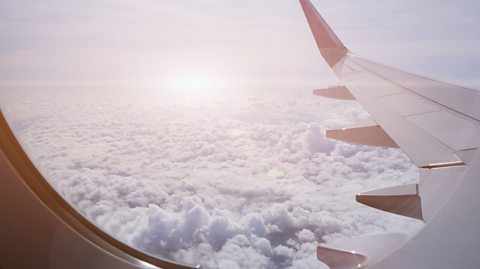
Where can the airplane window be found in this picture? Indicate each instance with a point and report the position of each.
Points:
(189, 130)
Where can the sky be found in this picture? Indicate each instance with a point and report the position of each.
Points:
(263, 43)
(188, 129)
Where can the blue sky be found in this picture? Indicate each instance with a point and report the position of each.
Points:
(265, 43)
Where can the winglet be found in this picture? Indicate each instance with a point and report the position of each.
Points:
(331, 48)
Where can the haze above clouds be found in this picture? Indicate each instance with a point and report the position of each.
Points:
(264, 43)
(224, 178)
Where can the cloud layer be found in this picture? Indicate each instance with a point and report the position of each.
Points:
(227, 179)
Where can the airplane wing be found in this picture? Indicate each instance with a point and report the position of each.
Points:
(437, 125)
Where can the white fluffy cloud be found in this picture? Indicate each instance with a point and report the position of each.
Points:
(227, 179)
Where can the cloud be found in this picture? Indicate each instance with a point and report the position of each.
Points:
(224, 178)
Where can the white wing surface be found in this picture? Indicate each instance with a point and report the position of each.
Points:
(438, 126)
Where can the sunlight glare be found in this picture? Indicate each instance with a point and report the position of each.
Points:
(193, 83)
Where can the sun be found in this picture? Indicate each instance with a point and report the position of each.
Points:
(193, 83)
